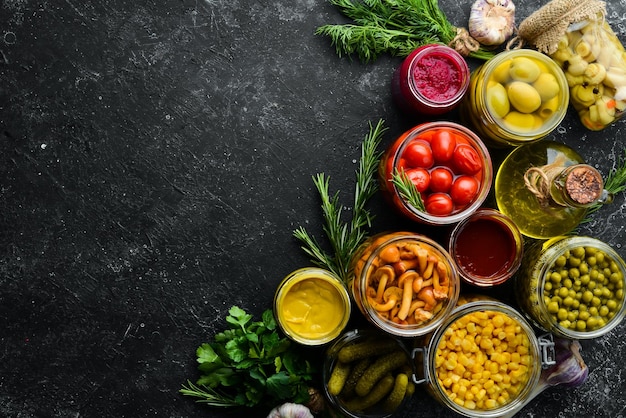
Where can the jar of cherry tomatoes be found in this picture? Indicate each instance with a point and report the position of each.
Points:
(436, 173)
(432, 80)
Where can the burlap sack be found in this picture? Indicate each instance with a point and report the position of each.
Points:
(544, 28)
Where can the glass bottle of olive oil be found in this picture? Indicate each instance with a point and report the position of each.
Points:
(553, 213)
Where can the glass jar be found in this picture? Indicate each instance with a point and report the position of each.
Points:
(312, 306)
(350, 355)
(516, 97)
(572, 286)
(487, 248)
(431, 80)
(446, 164)
(484, 360)
(404, 283)
(535, 217)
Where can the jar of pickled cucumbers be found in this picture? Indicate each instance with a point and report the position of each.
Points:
(516, 97)
(404, 283)
(572, 286)
(352, 382)
(483, 361)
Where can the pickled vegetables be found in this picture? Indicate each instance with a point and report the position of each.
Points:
(594, 62)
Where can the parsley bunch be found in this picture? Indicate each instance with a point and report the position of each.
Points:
(250, 364)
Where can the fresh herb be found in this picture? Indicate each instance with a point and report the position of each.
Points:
(397, 27)
(407, 190)
(615, 183)
(345, 237)
(250, 364)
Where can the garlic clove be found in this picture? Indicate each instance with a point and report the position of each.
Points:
(492, 22)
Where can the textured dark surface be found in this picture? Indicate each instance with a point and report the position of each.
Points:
(156, 157)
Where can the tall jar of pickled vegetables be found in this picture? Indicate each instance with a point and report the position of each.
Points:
(578, 38)
(572, 286)
(516, 97)
(404, 283)
(491, 343)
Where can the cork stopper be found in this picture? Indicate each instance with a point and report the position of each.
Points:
(584, 185)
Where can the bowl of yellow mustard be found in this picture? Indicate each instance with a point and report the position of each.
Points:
(312, 306)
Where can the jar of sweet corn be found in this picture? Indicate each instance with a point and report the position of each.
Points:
(516, 97)
(572, 286)
(484, 361)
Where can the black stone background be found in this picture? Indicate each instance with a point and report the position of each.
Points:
(156, 157)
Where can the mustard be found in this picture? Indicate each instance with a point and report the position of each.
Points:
(312, 307)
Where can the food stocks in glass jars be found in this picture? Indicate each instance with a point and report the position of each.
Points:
(576, 35)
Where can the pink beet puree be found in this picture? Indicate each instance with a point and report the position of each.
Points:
(437, 78)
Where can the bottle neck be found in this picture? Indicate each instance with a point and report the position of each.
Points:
(579, 185)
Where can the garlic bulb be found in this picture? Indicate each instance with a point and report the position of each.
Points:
(492, 22)
(290, 410)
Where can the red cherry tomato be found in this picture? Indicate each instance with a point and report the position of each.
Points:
(418, 154)
(419, 177)
(466, 160)
(441, 179)
(443, 144)
(439, 204)
(464, 190)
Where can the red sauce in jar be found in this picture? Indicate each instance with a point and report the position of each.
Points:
(437, 77)
(484, 247)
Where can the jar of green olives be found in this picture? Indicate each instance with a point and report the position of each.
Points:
(572, 286)
(516, 97)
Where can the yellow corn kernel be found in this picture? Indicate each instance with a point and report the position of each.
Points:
(490, 404)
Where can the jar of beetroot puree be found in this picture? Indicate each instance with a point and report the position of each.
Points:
(431, 80)
(487, 248)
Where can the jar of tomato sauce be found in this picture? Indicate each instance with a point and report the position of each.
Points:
(487, 248)
(431, 80)
(436, 173)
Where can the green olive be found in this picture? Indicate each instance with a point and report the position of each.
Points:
(497, 100)
(523, 96)
(547, 86)
(524, 69)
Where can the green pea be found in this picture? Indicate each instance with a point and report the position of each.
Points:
(574, 261)
(578, 252)
(592, 261)
(562, 314)
(568, 301)
(593, 274)
(581, 325)
(603, 311)
(612, 305)
(614, 267)
(584, 279)
(553, 307)
(592, 323)
(583, 315)
(547, 286)
(615, 277)
(600, 256)
(563, 292)
(593, 311)
(587, 296)
(565, 323)
(572, 316)
(583, 268)
(555, 278)
(590, 251)
(619, 294)
(591, 285)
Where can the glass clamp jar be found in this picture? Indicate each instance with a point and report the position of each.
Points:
(572, 286)
(460, 348)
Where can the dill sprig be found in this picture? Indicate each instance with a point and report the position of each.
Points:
(345, 237)
(396, 27)
(407, 189)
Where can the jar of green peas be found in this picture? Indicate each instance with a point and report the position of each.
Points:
(572, 286)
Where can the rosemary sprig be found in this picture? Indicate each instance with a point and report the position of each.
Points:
(345, 237)
(396, 27)
(615, 183)
(407, 189)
